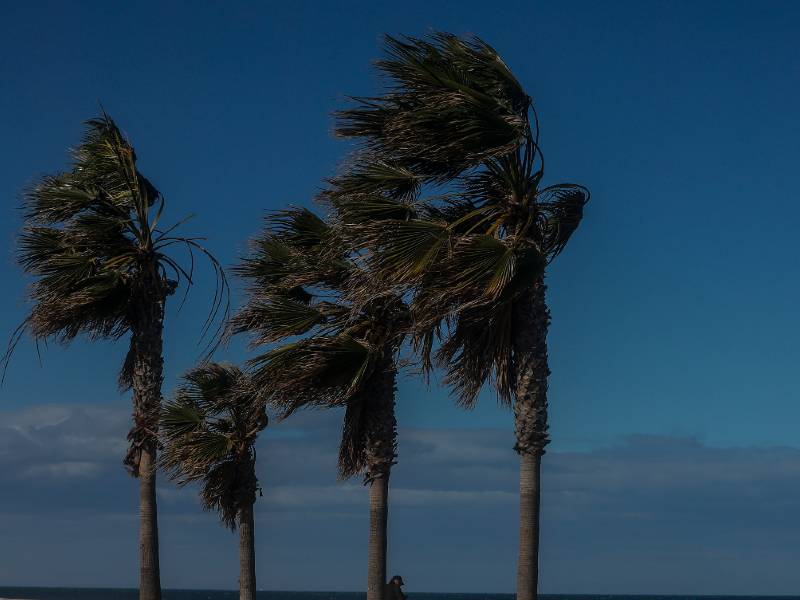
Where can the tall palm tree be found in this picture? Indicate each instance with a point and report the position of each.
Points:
(209, 430)
(102, 265)
(453, 145)
(302, 281)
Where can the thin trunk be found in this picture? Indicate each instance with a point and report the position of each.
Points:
(531, 321)
(381, 452)
(149, 575)
(378, 519)
(144, 373)
(528, 566)
(247, 553)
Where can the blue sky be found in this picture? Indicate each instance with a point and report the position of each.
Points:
(674, 307)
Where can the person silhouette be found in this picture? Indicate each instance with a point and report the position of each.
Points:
(393, 590)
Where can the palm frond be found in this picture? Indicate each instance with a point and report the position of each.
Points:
(269, 262)
(561, 207)
(299, 228)
(472, 295)
(376, 178)
(296, 249)
(180, 418)
(210, 385)
(451, 104)
(273, 317)
(478, 349)
(444, 60)
(315, 372)
(220, 491)
(369, 432)
(404, 249)
(482, 263)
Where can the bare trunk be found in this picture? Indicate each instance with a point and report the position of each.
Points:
(149, 576)
(378, 519)
(247, 553)
(528, 567)
(531, 321)
(381, 451)
(144, 373)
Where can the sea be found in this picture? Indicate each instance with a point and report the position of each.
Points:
(29, 593)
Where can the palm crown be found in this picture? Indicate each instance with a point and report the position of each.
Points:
(92, 239)
(303, 282)
(208, 430)
(445, 194)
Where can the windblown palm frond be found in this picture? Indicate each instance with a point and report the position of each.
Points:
(317, 371)
(370, 176)
(402, 250)
(477, 350)
(471, 297)
(451, 104)
(272, 317)
(208, 432)
(561, 208)
(294, 273)
(296, 249)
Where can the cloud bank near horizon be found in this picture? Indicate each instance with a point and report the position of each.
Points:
(647, 514)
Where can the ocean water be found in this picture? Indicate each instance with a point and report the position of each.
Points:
(29, 593)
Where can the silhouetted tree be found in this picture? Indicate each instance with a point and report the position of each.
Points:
(303, 281)
(209, 431)
(445, 198)
(103, 269)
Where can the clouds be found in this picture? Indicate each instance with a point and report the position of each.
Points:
(82, 439)
(662, 478)
(726, 519)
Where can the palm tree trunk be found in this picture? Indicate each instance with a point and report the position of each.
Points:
(378, 521)
(528, 566)
(381, 452)
(149, 575)
(531, 321)
(247, 553)
(145, 364)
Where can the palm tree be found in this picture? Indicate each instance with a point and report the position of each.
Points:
(302, 281)
(209, 431)
(453, 145)
(92, 239)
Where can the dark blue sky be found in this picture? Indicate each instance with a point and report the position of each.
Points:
(674, 332)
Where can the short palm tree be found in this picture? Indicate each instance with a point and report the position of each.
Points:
(445, 196)
(209, 431)
(103, 269)
(302, 281)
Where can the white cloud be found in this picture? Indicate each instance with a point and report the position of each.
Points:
(422, 497)
(601, 510)
(66, 469)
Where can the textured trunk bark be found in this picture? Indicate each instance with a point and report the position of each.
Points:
(381, 452)
(247, 554)
(378, 520)
(531, 321)
(146, 376)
